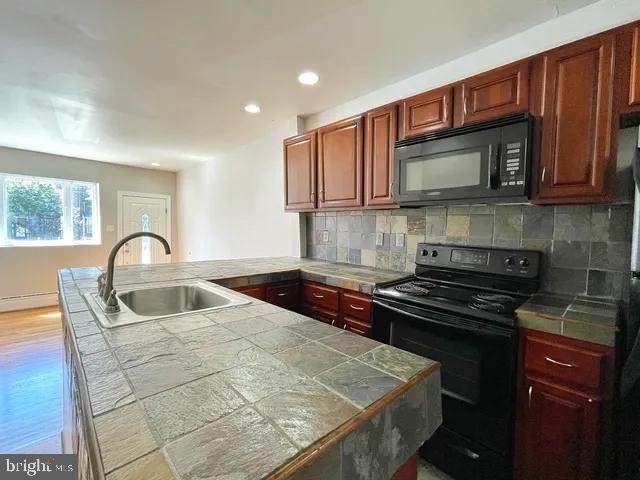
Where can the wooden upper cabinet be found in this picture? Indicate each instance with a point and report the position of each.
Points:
(427, 112)
(634, 73)
(300, 172)
(381, 131)
(577, 125)
(493, 94)
(340, 164)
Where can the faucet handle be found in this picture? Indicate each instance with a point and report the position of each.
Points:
(101, 281)
(112, 303)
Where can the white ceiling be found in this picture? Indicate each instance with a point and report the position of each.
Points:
(141, 81)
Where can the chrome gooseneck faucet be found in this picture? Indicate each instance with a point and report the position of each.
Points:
(106, 291)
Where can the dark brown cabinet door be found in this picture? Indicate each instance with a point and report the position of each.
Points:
(493, 94)
(300, 172)
(634, 79)
(255, 291)
(381, 131)
(340, 164)
(576, 121)
(560, 430)
(427, 112)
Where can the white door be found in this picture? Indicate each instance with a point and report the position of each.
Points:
(143, 213)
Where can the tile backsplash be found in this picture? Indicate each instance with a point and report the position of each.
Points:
(587, 247)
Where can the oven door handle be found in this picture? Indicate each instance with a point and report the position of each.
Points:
(426, 319)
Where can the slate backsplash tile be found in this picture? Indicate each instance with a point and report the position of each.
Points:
(570, 254)
(481, 226)
(537, 222)
(586, 248)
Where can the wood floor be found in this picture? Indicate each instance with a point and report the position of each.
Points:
(31, 355)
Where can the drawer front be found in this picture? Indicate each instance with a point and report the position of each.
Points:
(255, 291)
(357, 326)
(319, 313)
(283, 295)
(356, 305)
(321, 296)
(564, 363)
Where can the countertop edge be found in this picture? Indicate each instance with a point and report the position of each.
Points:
(310, 455)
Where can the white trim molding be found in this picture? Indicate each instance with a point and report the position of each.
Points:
(25, 302)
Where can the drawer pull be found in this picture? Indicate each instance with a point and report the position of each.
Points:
(283, 294)
(555, 362)
(317, 295)
(356, 307)
(530, 392)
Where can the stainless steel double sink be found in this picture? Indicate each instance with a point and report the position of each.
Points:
(145, 304)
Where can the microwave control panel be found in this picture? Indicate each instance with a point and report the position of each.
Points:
(512, 171)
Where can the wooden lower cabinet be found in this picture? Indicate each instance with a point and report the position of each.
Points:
(284, 294)
(73, 438)
(339, 307)
(336, 306)
(256, 291)
(560, 433)
(564, 419)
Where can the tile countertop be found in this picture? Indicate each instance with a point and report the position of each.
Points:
(583, 318)
(253, 271)
(249, 392)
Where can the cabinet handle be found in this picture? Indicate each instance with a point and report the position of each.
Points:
(355, 307)
(317, 295)
(544, 175)
(530, 392)
(464, 105)
(345, 326)
(283, 294)
(556, 362)
(333, 322)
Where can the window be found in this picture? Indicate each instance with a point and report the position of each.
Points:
(37, 211)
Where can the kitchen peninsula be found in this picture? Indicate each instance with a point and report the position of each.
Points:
(248, 392)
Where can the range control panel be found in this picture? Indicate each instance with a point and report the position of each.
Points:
(516, 263)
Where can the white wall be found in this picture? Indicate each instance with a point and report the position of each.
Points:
(32, 270)
(581, 23)
(233, 206)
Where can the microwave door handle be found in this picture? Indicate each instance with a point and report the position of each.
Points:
(494, 166)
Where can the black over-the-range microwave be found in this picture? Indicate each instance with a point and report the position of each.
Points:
(488, 162)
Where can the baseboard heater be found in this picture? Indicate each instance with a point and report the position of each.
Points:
(23, 302)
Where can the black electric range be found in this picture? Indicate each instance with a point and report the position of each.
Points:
(459, 309)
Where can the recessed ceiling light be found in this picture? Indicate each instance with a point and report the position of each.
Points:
(252, 108)
(155, 164)
(308, 78)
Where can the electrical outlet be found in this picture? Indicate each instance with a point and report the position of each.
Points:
(399, 239)
(379, 239)
(325, 236)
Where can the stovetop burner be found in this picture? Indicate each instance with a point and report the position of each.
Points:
(491, 307)
(415, 287)
(494, 297)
